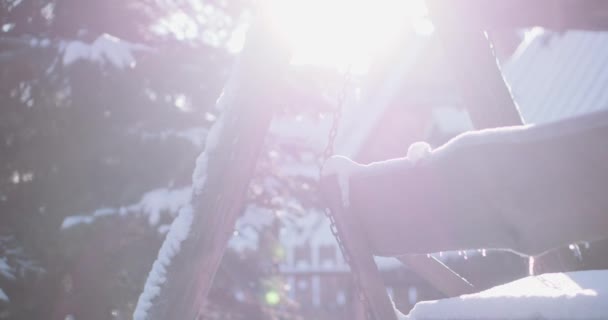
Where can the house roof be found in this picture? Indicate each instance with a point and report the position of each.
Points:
(559, 75)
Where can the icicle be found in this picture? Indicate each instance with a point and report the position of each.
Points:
(577, 251)
(531, 265)
(343, 168)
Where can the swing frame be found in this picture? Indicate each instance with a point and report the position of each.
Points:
(248, 114)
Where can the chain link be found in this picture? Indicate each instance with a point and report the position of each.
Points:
(336, 118)
(327, 153)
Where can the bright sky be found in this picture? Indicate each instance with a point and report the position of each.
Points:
(342, 33)
(331, 33)
(345, 32)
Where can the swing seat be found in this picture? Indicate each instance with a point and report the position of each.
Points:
(399, 203)
(364, 201)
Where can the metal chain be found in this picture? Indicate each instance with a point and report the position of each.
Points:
(336, 118)
(327, 153)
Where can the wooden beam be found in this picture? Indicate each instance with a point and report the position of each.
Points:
(476, 74)
(249, 101)
(471, 60)
(361, 256)
(512, 14)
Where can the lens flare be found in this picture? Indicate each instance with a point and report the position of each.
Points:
(344, 33)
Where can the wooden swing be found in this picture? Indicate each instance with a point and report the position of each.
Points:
(253, 102)
(484, 86)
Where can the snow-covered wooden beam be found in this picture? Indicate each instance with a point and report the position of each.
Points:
(182, 275)
(511, 14)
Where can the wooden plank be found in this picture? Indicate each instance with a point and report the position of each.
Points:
(251, 95)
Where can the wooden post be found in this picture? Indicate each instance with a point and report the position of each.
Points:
(249, 101)
(359, 252)
(475, 70)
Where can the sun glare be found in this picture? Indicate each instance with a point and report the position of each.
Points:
(346, 33)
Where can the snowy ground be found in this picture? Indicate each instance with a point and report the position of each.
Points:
(575, 295)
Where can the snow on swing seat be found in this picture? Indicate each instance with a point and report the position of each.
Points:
(574, 295)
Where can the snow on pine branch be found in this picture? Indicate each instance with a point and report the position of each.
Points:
(152, 204)
(3, 296)
(105, 49)
(14, 263)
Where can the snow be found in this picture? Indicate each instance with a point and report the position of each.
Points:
(180, 228)
(152, 204)
(574, 295)
(164, 200)
(6, 270)
(15, 262)
(418, 151)
(513, 134)
(199, 177)
(105, 49)
(254, 219)
(3, 296)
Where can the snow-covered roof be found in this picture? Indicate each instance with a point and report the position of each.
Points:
(574, 295)
(558, 75)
